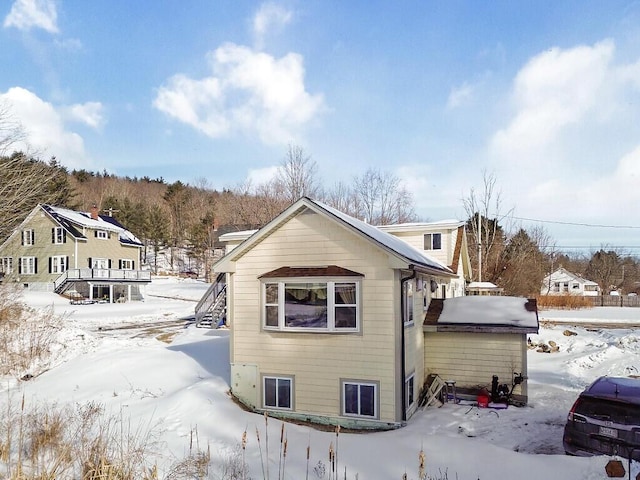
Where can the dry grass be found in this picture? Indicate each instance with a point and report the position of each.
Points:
(566, 302)
(26, 335)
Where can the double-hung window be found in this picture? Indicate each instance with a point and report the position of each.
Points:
(311, 305)
(28, 265)
(433, 241)
(6, 265)
(59, 264)
(28, 237)
(277, 392)
(360, 399)
(58, 235)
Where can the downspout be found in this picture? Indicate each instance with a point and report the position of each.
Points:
(403, 365)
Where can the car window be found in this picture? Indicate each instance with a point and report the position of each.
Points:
(608, 410)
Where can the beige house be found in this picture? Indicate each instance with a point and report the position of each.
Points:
(445, 241)
(85, 255)
(326, 315)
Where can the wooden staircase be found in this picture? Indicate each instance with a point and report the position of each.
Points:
(212, 307)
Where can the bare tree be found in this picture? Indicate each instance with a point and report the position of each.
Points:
(24, 183)
(296, 176)
(11, 130)
(381, 199)
(484, 213)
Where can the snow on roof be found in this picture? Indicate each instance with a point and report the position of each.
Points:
(415, 226)
(386, 239)
(84, 219)
(482, 285)
(240, 235)
(489, 310)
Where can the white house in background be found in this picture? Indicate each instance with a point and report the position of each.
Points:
(563, 282)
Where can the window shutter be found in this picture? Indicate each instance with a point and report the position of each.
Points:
(66, 265)
(133, 264)
(35, 265)
(64, 236)
(50, 262)
(109, 263)
(33, 237)
(53, 236)
(90, 265)
(22, 238)
(119, 264)
(20, 265)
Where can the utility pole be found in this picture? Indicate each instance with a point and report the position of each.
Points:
(479, 249)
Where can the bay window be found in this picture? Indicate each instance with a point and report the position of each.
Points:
(311, 305)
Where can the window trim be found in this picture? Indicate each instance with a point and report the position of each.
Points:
(331, 283)
(25, 261)
(431, 244)
(410, 390)
(28, 237)
(6, 265)
(59, 236)
(57, 261)
(102, 234)
(124, 261)
(278, 378)
(360, 383)
(408, 303)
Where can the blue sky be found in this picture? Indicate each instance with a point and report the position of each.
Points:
(543, 95)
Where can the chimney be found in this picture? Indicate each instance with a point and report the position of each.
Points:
(94, 211)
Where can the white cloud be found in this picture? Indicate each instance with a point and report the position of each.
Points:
(556, 89)
(45, 129)
(568, 151)
(270, 17)
(89, 113)
(248, 92)
(27, 14)
(460, 95)
(261, 176)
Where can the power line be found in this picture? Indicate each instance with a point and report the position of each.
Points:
(577, 224)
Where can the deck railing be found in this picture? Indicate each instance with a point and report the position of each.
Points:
(105, 274)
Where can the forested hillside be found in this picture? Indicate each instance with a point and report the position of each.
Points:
(190, 217)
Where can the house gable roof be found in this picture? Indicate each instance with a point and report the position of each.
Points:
(74, 222)
(491, 314)
(391, 244)
(562, 274)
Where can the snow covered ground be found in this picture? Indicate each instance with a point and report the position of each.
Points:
(114, 355)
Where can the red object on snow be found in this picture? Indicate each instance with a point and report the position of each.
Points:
(483, 400)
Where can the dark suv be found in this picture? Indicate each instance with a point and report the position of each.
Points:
(605, 419)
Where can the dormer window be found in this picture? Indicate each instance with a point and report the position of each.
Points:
(433, 241)
(103, 234)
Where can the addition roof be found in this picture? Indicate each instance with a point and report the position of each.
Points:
(494, 314)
